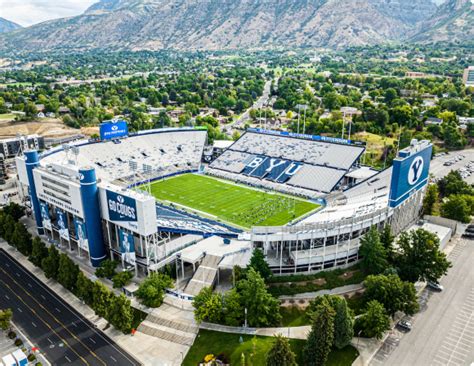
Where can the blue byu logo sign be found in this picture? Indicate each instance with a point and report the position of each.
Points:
(416, 168)
(121, 208)
(113, 130)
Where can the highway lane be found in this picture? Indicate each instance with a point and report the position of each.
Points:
(443, 330)
(51, 323)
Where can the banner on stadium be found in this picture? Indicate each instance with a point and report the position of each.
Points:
(81, 234)
(113, 130)
(121, 208)
(410, 173)
(127, 247)
(334, 140)
(45, 215)
(62, 224)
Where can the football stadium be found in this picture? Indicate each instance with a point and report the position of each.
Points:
(151, 198)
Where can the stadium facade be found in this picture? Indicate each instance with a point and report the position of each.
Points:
(92, 198)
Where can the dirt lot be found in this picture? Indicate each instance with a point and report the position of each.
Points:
(47, 127)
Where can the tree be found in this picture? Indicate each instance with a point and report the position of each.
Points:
(50, 264)
(456, 208)
(262, 308)
(21, 239)
(419, 257)
(5, 318)
(84, 288)
(374, 322)
(280, 354)
(208, 306)
(101, 299)
(14, 210)
(122, 279)
(453, 184)
(259, 264)
(453, 137)
(120, 313)
(393, 293)
(343, 321)
(38, 251)
(431, 200)
(106, 269)
(233, 311)
(321, 336)
(387, 239)
(67, 272)
(152, 289)
(374, 256)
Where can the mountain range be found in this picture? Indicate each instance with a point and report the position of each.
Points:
(254, 24)
(7, 26)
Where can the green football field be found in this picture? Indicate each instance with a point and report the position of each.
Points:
(229, 202)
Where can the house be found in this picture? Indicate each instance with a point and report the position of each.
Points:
(433, 121)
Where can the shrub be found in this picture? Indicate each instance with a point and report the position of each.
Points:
(18, 342)
(11, 334)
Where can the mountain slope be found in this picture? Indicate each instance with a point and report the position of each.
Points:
(226, 24)
(454, 21)
(7, 26)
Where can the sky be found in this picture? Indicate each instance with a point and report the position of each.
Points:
(28, 12)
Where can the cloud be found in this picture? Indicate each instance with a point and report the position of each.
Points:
(29, 12)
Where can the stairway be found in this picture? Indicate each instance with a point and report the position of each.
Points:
(205, 275)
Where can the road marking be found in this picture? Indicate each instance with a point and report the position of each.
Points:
(7, 265)
(67, 306)
(57, 310)
(29, 285)
(68, 359)
(113, 359)
(74, 324)
(17, 274)
(92, 340)
(49, 340)
(33, 324)
(19, 309)
(44, 298)
(56, 319)
(7, 297)
(41, 319)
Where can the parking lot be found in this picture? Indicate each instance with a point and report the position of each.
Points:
(443, 329)
(462, 161)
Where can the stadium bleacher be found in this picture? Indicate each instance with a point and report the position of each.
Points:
(299, 166)
(151, 154)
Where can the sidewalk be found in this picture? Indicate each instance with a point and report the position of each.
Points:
(289, 332)
(146, 349)
(335, 291)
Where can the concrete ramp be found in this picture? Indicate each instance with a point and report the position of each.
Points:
(205, 275)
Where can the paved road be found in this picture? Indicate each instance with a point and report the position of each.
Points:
(443, 330)
(439, 170)
(61, 333)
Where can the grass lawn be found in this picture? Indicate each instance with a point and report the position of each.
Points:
(254, 349)
(293, 316)
(7, 117)
(245, 207)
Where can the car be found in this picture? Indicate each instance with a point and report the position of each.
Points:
(404, 324)
(435, 286)
(468, 235)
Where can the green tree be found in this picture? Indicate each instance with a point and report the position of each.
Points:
(343, 320)
(259, 264)
(208, 306)
(14, 210)
(5, 318)
(106, 269)
(101, 299)
(456, 208)
(430, 201)
(374, 256)
(453, 183)
(321, 336)
(84, 288)
(67, 272)
(262, 308)
(419, 257)
(50, 264)
(122, 279)
(120, 313)
(38, 251)
(393, 293)
(21, 239)
(233, 311)
(280, 354)
(152, 290)
(374, 322)
(387, 239)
